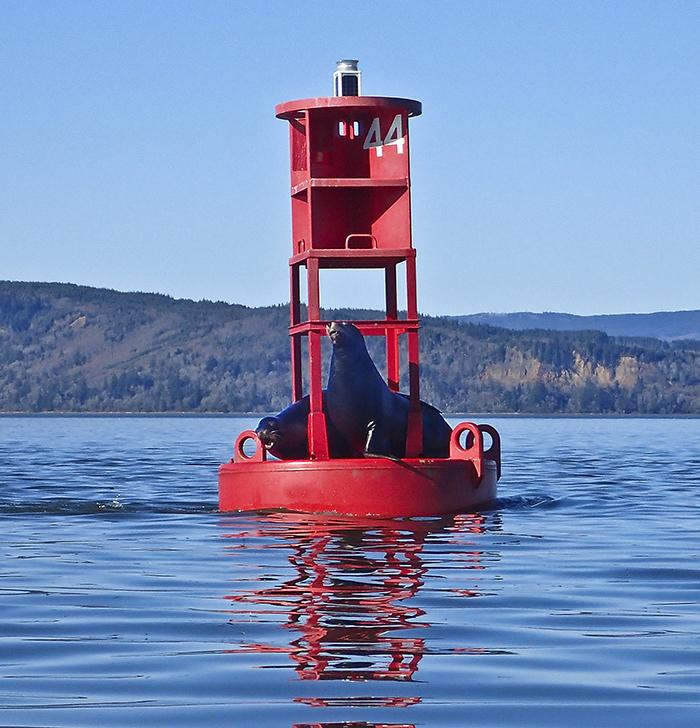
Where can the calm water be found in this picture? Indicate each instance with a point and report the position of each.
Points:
(126, 599)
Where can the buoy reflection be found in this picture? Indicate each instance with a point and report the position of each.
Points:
(350, 601)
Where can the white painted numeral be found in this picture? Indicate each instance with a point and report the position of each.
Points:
(394, 136)
(374, 135)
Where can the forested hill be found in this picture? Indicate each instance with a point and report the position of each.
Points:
(72, 348)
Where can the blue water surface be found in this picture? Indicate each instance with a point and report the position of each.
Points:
(127, 599)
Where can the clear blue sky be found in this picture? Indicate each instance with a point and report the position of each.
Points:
(556, 165)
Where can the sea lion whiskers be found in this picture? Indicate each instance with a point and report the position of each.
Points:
(269, 432)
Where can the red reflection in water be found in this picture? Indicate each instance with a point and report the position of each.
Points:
(349, 599)
(358, 702)
(354, 724)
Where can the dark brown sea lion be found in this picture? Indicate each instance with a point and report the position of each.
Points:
(286, 434)
(370, 417)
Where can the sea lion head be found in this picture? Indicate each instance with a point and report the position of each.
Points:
(344, 335)
(269, 431)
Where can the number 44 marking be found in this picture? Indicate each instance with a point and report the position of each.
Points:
(393, 136)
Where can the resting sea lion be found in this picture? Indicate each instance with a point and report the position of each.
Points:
(370, 417)
(286, 434)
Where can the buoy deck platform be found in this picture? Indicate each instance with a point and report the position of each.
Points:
(372, 487)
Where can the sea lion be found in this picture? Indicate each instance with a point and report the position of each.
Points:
(286, 435)
(371, 418)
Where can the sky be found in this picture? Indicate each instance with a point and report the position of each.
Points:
(556, 166)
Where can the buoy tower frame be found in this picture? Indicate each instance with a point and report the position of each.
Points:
(351, 209)
(350, 190)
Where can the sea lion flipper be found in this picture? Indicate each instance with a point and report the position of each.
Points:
(377, 442)
(382, 457)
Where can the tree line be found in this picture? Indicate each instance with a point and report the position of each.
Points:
(77, 349)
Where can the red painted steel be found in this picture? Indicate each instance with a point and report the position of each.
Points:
(376, 487)
(293, 109)
(350, 200)
(350, 192)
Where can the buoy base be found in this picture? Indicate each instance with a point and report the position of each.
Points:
(376, 487)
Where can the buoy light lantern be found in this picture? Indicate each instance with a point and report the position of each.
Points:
(347, 79)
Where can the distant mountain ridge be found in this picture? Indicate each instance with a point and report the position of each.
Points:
(70, 348)
(664, 325)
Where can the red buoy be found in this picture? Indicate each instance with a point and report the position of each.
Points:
(350, 193)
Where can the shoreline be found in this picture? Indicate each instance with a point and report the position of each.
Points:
(451, 415)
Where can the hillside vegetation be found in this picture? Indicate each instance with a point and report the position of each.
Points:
(71, 348)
